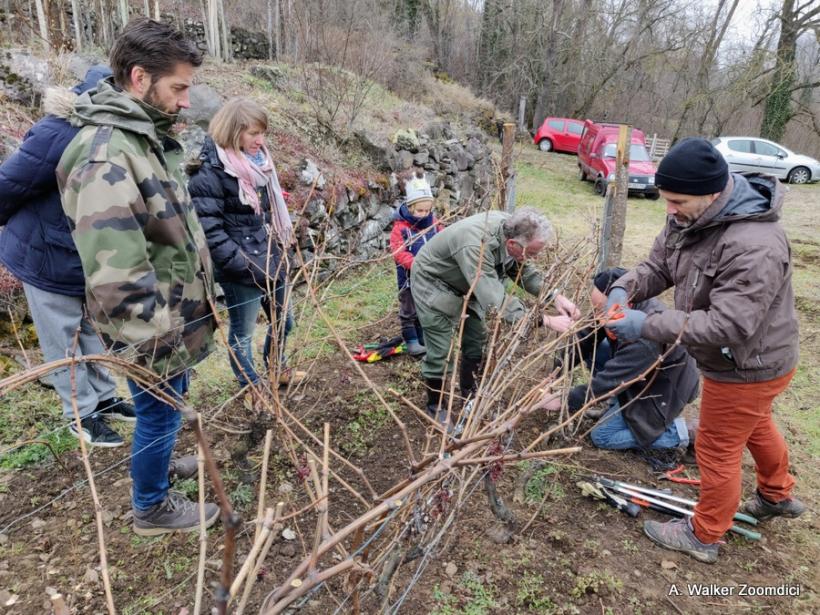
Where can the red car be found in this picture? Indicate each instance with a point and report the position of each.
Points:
(596, 159)
(560, 134)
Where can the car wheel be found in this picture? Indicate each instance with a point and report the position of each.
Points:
(545, 145)
(652, 196)
(600, 186)
(799, 175)
(582, 174)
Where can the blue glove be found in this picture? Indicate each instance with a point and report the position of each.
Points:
(616, 295)
(628, 328)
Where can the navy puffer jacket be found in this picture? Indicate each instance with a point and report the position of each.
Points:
(35, 243)
(237, 236)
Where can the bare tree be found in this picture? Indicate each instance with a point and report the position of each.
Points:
(795, 19)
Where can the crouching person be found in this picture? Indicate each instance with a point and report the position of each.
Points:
(236, 193)
(646, 415)
(143, 252)
(472, 259)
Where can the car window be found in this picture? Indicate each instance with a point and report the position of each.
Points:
(741, 145)
(575, 129)
(556, 124)
(766, 149)
(637, 152)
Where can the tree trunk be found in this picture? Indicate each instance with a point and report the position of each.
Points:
(78, 33)
(546, 96)
(104, 22)
(157, 14)
(227, 50)
(212, 28)
(123, 12)
(777, 110)
(43, 23)
(271, 49)
(277, 29)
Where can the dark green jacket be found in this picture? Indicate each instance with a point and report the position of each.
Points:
(445, 268)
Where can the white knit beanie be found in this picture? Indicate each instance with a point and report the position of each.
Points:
(417, 189)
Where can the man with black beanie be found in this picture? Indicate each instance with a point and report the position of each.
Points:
(647, 414)
(728, 258)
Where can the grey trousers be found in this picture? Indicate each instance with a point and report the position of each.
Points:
(56, 318)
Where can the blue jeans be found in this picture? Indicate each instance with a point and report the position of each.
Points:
(154, 438)
(244, 303)
(274, 320)
(612, 432)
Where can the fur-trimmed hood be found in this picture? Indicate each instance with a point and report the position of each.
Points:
(59, 102)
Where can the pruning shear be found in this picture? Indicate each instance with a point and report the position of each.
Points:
(616, 312)
(672, 475)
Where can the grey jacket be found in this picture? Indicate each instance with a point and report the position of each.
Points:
(732, 274)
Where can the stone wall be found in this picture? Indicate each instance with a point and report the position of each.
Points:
(246, 45)
(356, 221)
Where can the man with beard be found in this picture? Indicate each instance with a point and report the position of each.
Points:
(143, 252)
(728, 258)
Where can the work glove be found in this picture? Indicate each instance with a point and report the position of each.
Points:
(628, 326)
(616, 295)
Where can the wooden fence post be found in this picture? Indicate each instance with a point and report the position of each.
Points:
(506, 198)
(613, 224)
(522, 107)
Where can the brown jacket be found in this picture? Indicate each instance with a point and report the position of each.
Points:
(732, 274)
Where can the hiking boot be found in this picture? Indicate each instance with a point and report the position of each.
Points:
(469, 370)
(117, 409)
(96, 432)
(183, 467)
(291, 377)
(174, 514)
(414, 349)
(763, 510)
(677, 535)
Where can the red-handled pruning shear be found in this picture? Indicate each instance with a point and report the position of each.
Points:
(671, 475)
(616, 312)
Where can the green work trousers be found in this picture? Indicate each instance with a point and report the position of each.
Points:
(440, 330)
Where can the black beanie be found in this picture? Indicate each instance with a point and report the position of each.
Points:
(692, 166)
(606, 278)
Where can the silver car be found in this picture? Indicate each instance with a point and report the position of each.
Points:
(748, 154)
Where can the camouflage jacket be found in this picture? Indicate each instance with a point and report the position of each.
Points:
(144, 255)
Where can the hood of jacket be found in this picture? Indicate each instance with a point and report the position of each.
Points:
(59, 101)
(755, 197)
(403, 213)
(108, 105)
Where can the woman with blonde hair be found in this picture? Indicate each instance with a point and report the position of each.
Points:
(240, 205)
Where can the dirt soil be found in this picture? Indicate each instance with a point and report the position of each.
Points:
(575, 555)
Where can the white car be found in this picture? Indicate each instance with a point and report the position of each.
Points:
(748, 154)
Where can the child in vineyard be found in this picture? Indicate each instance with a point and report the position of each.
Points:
(414, 225)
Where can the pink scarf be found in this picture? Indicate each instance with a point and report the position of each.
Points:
(249, 176)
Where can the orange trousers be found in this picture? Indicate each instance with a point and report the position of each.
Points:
(734, 416)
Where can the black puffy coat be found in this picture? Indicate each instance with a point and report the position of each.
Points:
(237, 237)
